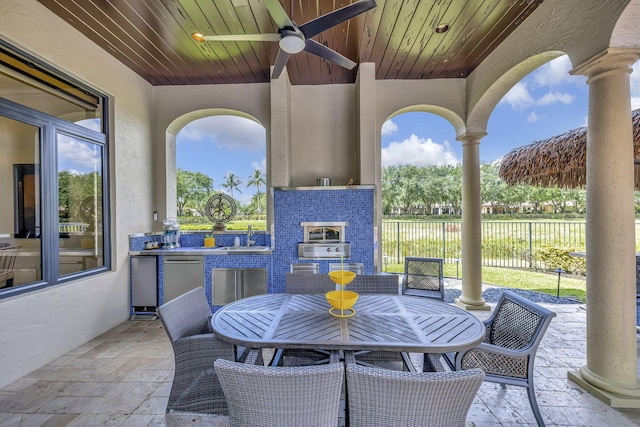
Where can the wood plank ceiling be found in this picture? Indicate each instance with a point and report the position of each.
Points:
(153, 37)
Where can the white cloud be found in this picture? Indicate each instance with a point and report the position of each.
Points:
(553, 97)
(533, 117)
(389, 127)
(78, 156)
(634, 80)
(518, 97)
(231, 132)
(262, 165)
(418, 151)
(554, 72)
(93, 124)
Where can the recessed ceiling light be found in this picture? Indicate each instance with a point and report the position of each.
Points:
(442, 28)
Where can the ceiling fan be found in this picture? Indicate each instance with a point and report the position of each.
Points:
(294, 38)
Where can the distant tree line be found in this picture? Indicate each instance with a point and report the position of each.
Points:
(413, 190)
(406, 190)
(194, 189)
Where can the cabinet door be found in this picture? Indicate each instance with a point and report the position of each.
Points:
(223, 286)
(182, 274)
(254, 282)
(144, 281)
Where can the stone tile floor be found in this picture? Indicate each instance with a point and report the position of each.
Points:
(123, 377)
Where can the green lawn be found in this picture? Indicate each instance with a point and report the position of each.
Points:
(521, 279)
(513, 278)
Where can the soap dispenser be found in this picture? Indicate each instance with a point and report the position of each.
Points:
(236, 241)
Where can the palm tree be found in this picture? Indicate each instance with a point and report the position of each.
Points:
(231, 182)
(256, 180)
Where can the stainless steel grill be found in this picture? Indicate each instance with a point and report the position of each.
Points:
(323, 250)
(324, 240)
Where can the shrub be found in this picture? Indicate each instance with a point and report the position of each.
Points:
(555, 257)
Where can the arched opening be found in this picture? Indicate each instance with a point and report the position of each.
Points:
(421, 179)
(543, 102)
(221, 153)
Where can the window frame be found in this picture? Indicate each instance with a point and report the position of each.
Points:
(49, 128)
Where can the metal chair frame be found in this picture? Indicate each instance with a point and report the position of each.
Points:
(507, 355)
(423, 277)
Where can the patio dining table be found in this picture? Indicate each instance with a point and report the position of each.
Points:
(381, 323)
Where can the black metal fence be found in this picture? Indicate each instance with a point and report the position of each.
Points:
(504, 243)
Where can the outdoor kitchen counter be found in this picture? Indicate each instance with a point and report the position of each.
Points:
(227, 250)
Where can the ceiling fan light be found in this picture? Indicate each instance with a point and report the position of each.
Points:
(198, 37)
(292, 44)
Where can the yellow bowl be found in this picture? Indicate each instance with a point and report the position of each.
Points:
(342, 300)
(342, 277)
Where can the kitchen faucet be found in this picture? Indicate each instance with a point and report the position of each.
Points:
(249, 234)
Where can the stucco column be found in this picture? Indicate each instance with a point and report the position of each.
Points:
(611, 369)
(471, 298)
(369, 148)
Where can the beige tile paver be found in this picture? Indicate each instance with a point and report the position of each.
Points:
(123, 378)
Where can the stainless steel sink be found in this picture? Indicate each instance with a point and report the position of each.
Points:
(245, 248)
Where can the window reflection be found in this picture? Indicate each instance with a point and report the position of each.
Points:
(20, 204)
(79, 204)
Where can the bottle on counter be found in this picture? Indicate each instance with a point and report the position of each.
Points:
(236, 241)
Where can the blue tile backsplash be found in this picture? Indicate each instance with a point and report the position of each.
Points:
(291, 207)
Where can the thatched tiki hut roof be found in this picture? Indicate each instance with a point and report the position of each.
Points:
(559, 161)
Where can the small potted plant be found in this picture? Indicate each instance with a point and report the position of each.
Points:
(209, 241)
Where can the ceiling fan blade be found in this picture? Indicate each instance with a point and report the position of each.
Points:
(331, 19)
(242, 38)
(278, 14)
(281, 61)
(322, 51)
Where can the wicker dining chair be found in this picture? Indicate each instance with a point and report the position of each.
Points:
(375, 284)
(196, 387)
(275, 396)
(507, 355)
(303, 283)
(423, 277)
(378, 397)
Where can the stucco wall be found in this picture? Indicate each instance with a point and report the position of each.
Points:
(579, 28)
(323, 134)
(176, 106)
(40, 326)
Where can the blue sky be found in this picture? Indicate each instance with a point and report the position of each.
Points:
(545, 103)
(79, 157)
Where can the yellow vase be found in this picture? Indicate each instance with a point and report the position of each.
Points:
(209, 242)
